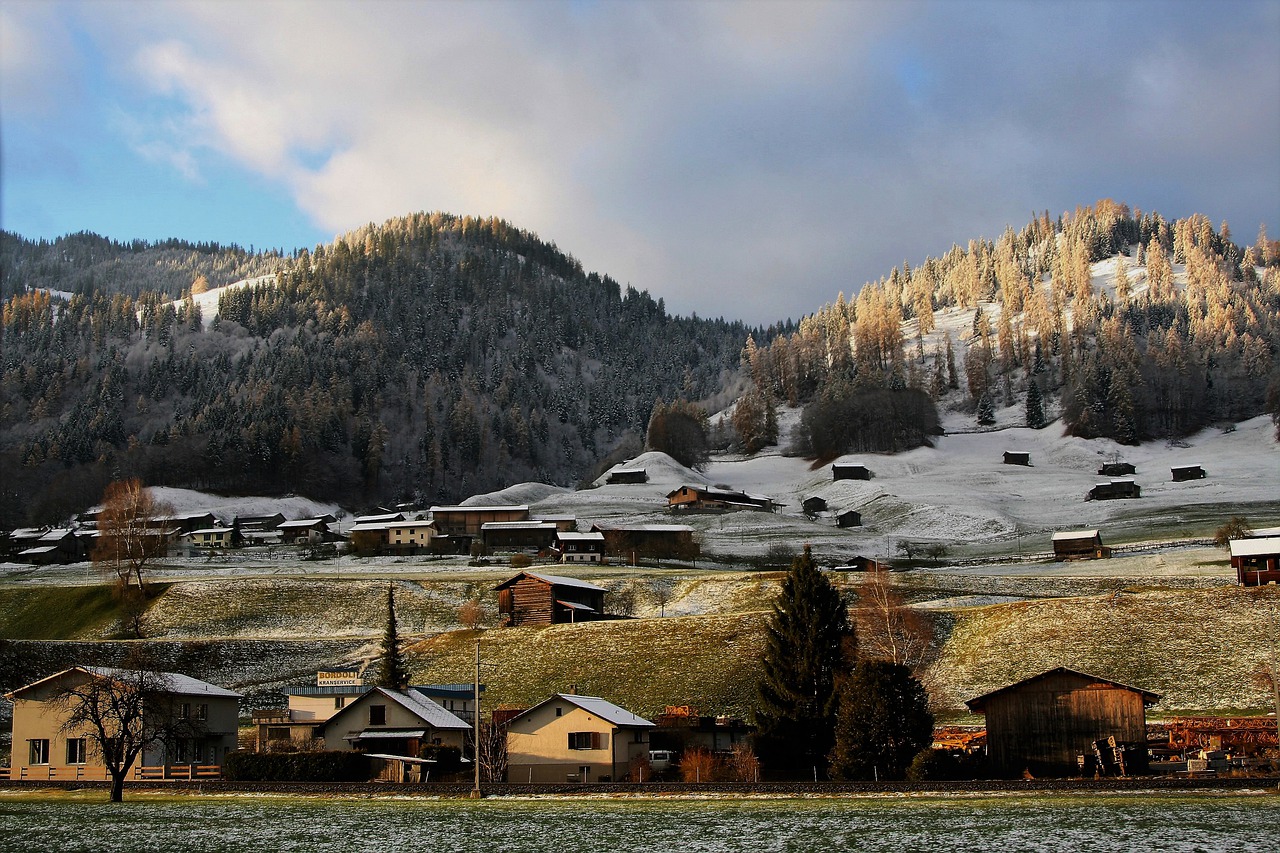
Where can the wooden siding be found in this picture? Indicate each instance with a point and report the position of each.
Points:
(1042, 725)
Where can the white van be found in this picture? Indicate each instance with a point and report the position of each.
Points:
(661, 759)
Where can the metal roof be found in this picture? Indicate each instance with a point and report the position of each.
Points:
(1074, 534)
(977, 703)
(602, 708)
(175, 682)
(554, 580)
(1255, 547)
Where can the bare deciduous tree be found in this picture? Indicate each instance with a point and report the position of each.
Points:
(471, 614)
(887, 629)
(129, 534)
(492, 752)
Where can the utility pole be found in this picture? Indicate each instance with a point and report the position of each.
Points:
(475, 721)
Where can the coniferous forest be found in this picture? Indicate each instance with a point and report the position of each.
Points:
(434, 357)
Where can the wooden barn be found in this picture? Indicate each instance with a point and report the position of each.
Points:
(538, 599)
(1044, 723)
(814, 505)
(1256, 561)
(1017, 457)
(468, 520)
(1117, 469)
(1186, 472)
(1079, 545)
(627, 476)
(657, 541)
(708, 499)
(849, 518)
(850, 471)
(863, 564)
(531, 536)
(1114, 490)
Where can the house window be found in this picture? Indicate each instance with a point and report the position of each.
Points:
(339, 702)
(377, 715)
(559, 711)
(202, 711)
(584, 740)
(277, 733)
(39, 751)
(75, 750)
(184, 711)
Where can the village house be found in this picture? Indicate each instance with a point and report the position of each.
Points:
(1017, 457)
(1079, 545)
(631, 542)
(309, 706)
(1256, 561)
(213, 538)
(1043, 724)
(850, 471)
(203, 717)
(410, 536)
(681, 727)
(1117, 469)
(1114, 490)
(306, 531)
(576, 739)
(57, 546)
(580, 547)
(1182, 473)
(708, 499)
(395, 725)
(369, 534)
(540, 599)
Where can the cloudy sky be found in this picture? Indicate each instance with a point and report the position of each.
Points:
(744, 159)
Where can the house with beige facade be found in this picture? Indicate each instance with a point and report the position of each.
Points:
(576, 739)
(393, 722)
(203, 720)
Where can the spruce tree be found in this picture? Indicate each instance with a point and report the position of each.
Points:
(393, 674)
(809, 640)
(986, 414)
(883, 721)
(1035, 406)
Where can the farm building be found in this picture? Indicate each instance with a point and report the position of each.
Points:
(656, 541)
(814, 505)
(707, 499)
(410, 536)
(1042, 724)
(580, 547)
(468, 520)
(576, 739)
(849, 518)
(1256, 561)
(1017, 457)
(1079, 545)
(538, 599)
(518, 535)
(59, 545)
(396, 724)
(1114, 490)
(863, 564)
(627, 476)
(1186, 472)
(1117, 469)
(306, 531)
(850, 471)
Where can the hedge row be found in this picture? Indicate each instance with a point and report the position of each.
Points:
(296, 767)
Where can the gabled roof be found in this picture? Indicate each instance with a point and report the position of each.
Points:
(176, 682)
(602, 708)
(481, 508)
(1255, 547)
(420, 706)
(642, 528)
(554, 580)
(302, 524)
(977, 703)
(580, 537)
(1065, 535)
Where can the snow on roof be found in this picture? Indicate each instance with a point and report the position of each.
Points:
(518, 525)
(176, 682)
(218, 531)
(1074, 534)
(424, 708)
(374, 519)
(1264, 532)
(582, 537)
(481, 508)
(300, 523)
(1255, 547)
(38, 550)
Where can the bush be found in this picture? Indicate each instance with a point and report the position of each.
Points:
(941, 765)
(296, 767)
(521, 561)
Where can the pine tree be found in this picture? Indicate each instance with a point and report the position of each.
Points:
(392, 670)
(1035, 406)
(986, 414)
(808, 642)
(882, 722)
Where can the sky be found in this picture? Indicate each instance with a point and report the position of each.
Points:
(746, 160)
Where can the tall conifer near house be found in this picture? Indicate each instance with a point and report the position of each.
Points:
(1035, 406)
(809, 642)
(392, 671)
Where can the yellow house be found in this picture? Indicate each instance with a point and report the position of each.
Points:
(575, 738)
(202, 718)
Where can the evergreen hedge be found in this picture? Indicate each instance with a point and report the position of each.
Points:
(296, 767)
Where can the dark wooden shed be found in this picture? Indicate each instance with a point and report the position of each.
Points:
(1017, 457)
(1114, 490)
(1079, 545)
(1043, 723)
(849, 518)
(627, 476)
(538, 599)
(1117, 469)
(1186, 472)
(814, 505)
(850, 471)
(657, 541)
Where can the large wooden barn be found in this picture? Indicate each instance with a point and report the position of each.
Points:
(1117, 469)
(1042, 724)
(538, 599)
(1114, 490)
(850, 471)
(1182, 473)
(631, 542)
(1256, 561)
